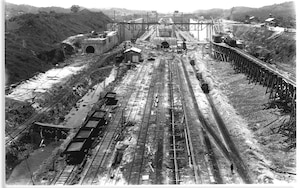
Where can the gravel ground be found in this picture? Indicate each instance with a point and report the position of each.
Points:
(242, 106)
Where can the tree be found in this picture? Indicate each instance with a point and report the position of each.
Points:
(75, 8)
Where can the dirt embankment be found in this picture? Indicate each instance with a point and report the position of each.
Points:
(17, 112)
(32, 41)
(270, 155)
(269, 46)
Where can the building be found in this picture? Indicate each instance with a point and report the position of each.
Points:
(131, 30)
(166, 31)
(132, 54)
(270, 22)
(100, 43)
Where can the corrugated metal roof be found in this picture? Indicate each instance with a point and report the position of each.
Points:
(133, 49)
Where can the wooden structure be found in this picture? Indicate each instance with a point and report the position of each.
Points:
(50, 131)
(281, 88)
(132, 54)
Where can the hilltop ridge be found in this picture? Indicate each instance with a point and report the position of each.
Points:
(32, 41)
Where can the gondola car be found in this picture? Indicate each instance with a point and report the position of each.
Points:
(83, 140)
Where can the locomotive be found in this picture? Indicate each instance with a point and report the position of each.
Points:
(227, 39)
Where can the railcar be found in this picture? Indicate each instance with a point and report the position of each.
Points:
(83, 140)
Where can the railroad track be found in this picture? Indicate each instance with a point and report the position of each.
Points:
(228, 148)
(113, 172)
(291, 80)
(66, 176)
(106, 146)
(192, 140)
(14, 135)
(157, 176)
(176, 132)
(136, 168)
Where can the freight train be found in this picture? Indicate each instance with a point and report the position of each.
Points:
(93, 127)
(227, 39)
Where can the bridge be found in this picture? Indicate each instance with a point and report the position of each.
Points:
(280, 87)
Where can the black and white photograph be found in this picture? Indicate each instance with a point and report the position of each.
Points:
(134, 92)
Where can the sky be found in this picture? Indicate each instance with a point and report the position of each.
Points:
(163, 6)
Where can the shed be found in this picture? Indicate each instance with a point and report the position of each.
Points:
(133, 54)
(270, 22)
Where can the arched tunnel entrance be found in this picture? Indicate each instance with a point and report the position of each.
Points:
(90, 49)
(165, 44)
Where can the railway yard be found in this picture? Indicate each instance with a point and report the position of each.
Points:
(171, 118)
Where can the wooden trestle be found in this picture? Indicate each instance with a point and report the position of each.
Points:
(280, 88)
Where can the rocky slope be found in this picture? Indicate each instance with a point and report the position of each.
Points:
(277, 48)
(32, 41)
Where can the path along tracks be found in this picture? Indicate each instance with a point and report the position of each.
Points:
(228, 148)
(61, 96)
(203, 167)
(106, 147)
(96, 162)
(191, 150)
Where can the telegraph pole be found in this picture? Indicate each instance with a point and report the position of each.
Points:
(114, 16)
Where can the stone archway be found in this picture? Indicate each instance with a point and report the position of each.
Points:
(90, 49)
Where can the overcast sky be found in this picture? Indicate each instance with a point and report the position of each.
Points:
(158, 5)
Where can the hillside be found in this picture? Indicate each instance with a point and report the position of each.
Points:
(285, 13)
(32, 41)
(274, 49)
(12, 10)
(121, 14)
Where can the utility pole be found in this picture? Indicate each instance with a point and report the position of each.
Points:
(198, 29)
(114, 16)
(147, 21)
(182, 20)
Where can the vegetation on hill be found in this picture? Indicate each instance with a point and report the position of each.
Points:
(285, 13)
(12, 10)
(274, 48)
(32, 41)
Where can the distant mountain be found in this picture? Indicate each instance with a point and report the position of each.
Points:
(285, 12)
(121, 14)
(12, 10)
(119, 11)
